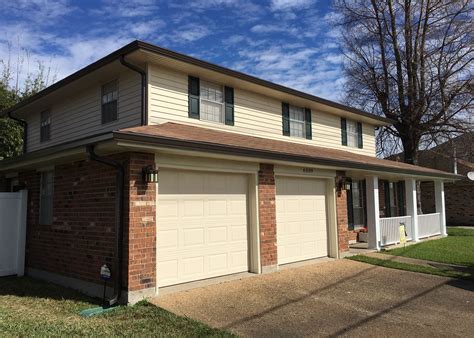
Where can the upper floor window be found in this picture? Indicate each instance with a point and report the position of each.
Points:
(45, 126)
(109, 101)
(351, 133)
(296, 121)
(210, 102)
(46, 197)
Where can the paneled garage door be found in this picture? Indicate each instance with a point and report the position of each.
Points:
(201, 225)
(301, 219)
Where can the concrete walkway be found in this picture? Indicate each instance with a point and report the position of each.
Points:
(422, 262)
(332, 299)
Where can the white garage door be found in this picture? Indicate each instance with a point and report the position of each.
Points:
(301, 219)
(201, 225)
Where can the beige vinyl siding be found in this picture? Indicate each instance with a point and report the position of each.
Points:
(254, 114)
(80, 115)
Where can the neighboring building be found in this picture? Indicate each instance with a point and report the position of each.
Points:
(208, 171)
(456, 156)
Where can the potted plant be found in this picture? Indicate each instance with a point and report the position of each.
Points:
(363, 235)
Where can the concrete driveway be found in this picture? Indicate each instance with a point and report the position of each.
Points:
(330, 299)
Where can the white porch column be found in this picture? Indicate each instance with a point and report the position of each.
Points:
(440, 206)
(373, 211)
(412, 207)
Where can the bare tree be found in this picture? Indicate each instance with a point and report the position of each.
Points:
(410, 61)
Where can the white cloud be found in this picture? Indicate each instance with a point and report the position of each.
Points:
(40, 12)
(190, 32)
(126, 8)
(284, 5)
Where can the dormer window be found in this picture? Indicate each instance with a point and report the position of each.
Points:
(109, 102)
(45, 126)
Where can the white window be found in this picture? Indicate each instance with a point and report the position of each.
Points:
(45, 126)
(212, 102)
(297, 126)
(352, 134)
(46, 198)
(109, 101)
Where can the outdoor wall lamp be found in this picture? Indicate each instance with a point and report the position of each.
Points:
(150, 174)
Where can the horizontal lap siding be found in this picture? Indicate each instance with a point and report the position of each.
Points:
(79, 116)
(255, 114)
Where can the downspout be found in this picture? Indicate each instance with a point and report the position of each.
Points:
(119, 184)
(144, 108)
(24, 124)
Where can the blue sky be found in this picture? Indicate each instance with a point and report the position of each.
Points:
(291, 42)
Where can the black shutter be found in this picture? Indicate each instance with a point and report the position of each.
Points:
(344, 131)
(193, 97)
(307, 123)
(359, 135)
(401, 198)
(229, 105)
(350, 206)
(388, 210)
(285, 113)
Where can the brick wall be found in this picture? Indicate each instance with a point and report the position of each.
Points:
(341, 211)
(140, 232)
(82, 235)
(459, 201)
(267, 215)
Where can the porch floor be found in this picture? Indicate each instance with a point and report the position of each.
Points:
(357, 249)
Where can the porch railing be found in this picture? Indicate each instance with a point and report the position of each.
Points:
(390, 229)
(429, 225)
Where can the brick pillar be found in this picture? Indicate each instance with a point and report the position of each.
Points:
(267, 216)
(140, 232)
(341, 210)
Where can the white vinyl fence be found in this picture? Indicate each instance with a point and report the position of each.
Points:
(429, 225)
(390, 229)
(12, 232)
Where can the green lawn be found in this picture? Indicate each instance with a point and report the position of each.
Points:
(457, 248)
(33, 308)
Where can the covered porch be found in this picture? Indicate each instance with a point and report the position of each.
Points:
(378, 205)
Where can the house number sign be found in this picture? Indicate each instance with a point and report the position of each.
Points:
(308, 170)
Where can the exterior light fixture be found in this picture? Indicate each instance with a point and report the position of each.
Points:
(150, 175)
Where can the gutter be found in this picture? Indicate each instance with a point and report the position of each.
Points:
(144, 108)
(118, 259)
(24, 124)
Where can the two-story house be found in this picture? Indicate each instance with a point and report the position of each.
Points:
(171, 170)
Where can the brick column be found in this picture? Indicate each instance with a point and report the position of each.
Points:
(267, 217)
(341, 210)
(140, 230)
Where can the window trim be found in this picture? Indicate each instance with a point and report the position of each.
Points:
(41, 200)
(102, 104)
(43, 137)
(302, 122)
(222, 104)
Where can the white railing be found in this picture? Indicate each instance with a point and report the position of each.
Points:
(429, 225)
(390, 229)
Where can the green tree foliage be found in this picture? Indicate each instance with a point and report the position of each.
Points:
(15, 87)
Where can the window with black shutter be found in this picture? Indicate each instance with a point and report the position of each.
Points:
(296, 121)
(351, 133)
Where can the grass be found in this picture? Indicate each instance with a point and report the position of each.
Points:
(457, 248)
(33, 308)
(412, 267)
